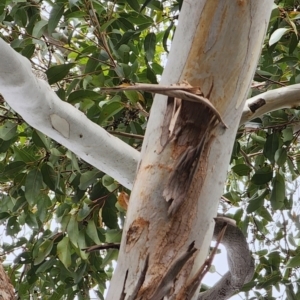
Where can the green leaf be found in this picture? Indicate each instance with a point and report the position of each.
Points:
(262, 176)
(74, 160)
(46, 265)
(91, 231)
(264, 213)
(113, 236)
(133, 96)
(78, 275)
(281, 156)
(43, 251)
(149, 45)
(145, 4)
(4, 215)
(4, 145)
(241, 169)
(257, 138)
(28, 51)
(109, 183)
(109, 110)
(43, 205)
(13, 226)
(277, 35)
(21, 17)
(166, 36)
(31, 220)
(24, 154)
(72, 230)
(39, 28)
(256, 203)
(294, 262)
(110, 212)
(83, 212)
(55, 15)
(33, 186)
(40, 140)
(271, 146)
(287, 134)
(270, 281)
(64, 252)
(49, 176)
(88, 178)
(151, 76)
(8, 131)
(134, 4)
(82, 244)
(81, 95)
(123, 70)
(13, 168)
(127, 37)
(57, 73)
(58, 292)
(278, 192)
(290, 292)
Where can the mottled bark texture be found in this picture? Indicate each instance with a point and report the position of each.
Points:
(6, 288)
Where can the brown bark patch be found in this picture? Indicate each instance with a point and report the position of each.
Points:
(257, 104)
(6, 288)
(135, 231)
(191, 131)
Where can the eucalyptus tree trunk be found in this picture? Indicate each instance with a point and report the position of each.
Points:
(6, 288)
(186, 151)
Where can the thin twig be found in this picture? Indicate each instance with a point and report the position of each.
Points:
(131, 135)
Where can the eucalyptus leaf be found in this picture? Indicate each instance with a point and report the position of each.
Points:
(278, 192)
(55, 16)
(149, 45)
(33, 186)
(64, 252)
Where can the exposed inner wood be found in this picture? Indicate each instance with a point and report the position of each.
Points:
(191, 128)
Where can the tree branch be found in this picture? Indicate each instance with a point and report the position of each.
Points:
(34, 100)
(284, 97)
(42, 109)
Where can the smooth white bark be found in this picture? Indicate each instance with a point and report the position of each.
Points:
(41, 108)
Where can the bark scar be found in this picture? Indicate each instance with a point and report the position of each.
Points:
(189, 120)
(135, 231)
(188, 125)
(257, 104)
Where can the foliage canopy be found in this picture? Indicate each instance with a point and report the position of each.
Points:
(65, 205)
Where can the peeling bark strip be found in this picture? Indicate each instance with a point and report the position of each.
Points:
(240, 262)
(188, 126)
(182, 91)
